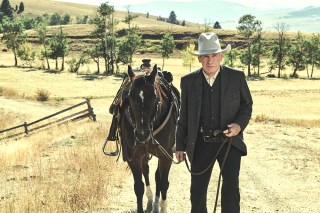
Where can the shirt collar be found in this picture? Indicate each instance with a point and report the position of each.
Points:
(208, 77)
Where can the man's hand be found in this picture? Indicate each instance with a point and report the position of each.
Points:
(180, 155)
(233, 130)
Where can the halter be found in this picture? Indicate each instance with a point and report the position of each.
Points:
(159, 98)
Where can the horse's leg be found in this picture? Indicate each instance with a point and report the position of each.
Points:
(147, 181)
(157, 199)
(136, 168)
(164, 168)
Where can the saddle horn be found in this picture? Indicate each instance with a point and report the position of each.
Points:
(154, 72)
(130, 72)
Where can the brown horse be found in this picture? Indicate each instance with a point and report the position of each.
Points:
(148, 121)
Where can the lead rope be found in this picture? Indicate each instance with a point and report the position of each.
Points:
(228, 140)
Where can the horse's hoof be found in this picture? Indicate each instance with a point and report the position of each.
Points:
(163, 206)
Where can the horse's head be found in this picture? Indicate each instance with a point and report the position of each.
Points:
(143, 104)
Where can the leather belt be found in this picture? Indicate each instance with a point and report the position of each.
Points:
(216, 137)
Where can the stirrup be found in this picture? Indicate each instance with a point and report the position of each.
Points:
(112, 138)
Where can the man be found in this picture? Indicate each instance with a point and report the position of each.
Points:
(214, 99)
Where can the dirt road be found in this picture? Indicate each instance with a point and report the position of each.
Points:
(280, 174)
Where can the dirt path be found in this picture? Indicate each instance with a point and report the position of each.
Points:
(280, 174)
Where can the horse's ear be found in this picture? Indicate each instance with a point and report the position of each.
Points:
(154, 72)
(130, 72)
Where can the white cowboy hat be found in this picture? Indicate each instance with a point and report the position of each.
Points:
(208, 43)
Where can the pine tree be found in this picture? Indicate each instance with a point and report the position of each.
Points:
(6, 9)
(21, 8)
(217, 25)
(172, 18)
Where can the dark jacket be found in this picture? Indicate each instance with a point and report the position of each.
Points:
(236, 107)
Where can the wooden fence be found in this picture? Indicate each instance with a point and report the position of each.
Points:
(27, 127)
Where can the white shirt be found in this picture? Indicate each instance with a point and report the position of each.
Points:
(209, 79)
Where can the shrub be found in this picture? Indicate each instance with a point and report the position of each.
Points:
(42, 95)
(261, 118)
(27, 54)
(8, 92)
(74, 64)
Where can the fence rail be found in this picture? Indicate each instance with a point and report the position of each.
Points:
(88, 112)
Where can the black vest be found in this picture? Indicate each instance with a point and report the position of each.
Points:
(210, 115)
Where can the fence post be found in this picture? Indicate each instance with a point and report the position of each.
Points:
(26, 128)
(90, 109)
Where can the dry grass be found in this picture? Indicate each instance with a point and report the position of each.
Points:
(8, 92)
(262, 118)
(60, 170)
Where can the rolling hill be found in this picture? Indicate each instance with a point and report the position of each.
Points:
(151, 29)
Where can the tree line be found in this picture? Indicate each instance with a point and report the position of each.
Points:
(108, 48)
(301, 53)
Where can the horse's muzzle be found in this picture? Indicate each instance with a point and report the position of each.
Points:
(142, 138)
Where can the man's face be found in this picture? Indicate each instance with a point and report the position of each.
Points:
(210, 63)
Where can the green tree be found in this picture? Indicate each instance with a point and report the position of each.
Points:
(129, 18)
(13, 36)
(296, 54)
(6, 9)
(231, 58)
(132, 40)
(104, 31)
(27, 54)
(28, 22)
(59, 47)
(76, 63)
(95, 53)
(167, 45)
(217, 25)
(82, 20)
(21, 8)
(66, 19)
(257, 50)
(41, 29)
(313, 52)
(247, 27)
(55, 19)
(188, 59)
(279, 47)
(172, 18)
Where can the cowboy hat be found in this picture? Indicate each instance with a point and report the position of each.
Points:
(208, 43)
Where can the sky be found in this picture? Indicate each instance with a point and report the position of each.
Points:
(295, 4)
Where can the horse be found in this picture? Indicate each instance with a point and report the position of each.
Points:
(146, 126)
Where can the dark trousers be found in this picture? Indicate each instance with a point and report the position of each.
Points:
(230, 195)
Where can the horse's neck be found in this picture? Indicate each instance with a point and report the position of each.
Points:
(162, 109)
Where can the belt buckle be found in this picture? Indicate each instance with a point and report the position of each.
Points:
(216, 132)
(206, 137)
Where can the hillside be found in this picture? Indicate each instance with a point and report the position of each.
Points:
(151, 29)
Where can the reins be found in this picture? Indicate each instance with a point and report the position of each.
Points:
(227, 140)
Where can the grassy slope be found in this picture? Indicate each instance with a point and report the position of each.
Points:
(149, 26)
